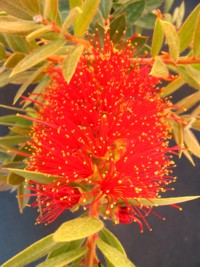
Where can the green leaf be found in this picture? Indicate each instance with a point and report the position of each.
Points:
(162, 201)
(196, 44)
(15, 8)
(12, 25)
(117, 28)
(186, 32)
(28, 82)
(75, 3)
(13, 140)
(146, 21)
(134, 10)
(167, 5)
(188, 73)
(38, 55)
(34, 176)
(77, 229)
(173, 86)
(89, 8)
(153, 4)
(14, 59)
(2, 52)
(159, 68)
(158, 36)
(14, 179)
(66, 247)
(17, 43)
(38, 33)
(73, 14)
(111, 240)
(50, 9)
(22, 200)
(105, 7)
(63, 259)
(33, 252)
(115, 257)
(32, 5)
(172, 39)
(191, 142)
(188, 102)
(71, 62)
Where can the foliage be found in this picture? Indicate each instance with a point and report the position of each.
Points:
(37, 34)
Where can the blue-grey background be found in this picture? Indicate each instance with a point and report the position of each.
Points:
(172, 243)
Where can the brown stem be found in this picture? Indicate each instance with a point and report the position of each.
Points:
(90, 257)
(169, 61)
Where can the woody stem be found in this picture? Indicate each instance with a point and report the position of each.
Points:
(90, 257)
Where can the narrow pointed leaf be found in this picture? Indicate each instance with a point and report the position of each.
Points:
(2, 52)
(197, 38)
(35, 176)
(115, 257)
(22, 201)
(32, 5)
(189, 77)
(63, 259)
(38, 55)
(73, 14)
(158, 36)
(29, 81)
(188, 102)
(173, 86)
(38, 33)
(186, 32)
(134, 10)
(77, 229)
(89, 8)
(12, 25)
(15, 8)
(13, 60)
(71, 62)
(33, 252)
(13, 140)
(111, 240)
(159, 68)
(172, 39)
(50, 9)
(105, 7)
(191, 142)
(66, 247)
(162, 201)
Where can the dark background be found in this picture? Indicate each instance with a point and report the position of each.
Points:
(172, 243)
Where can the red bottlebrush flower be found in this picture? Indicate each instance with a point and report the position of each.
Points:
(105, 132)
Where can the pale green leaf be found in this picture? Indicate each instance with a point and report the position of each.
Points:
(89, 8)
(15, 8)
(73, 14)
(188, 73)
(51, 10)
(63, 259)
(17, 43)
(38, 55)
(172, 39)
(196, 44)
(71, 62)
(191, 142)
(32, 5)
(29, 81)
(188, 102)
(66, 247)
(158, 36)
(115, 257)
(167, 5)
(14, 59)
(196, 125)
(38, 33)
(33, 252)
(2, 52)
(77, 229)
(12, 25)
(35, 176)
(159, 68)
(162, 201)
(21, 199)
(105, 7)
(186, 32)
(111, 240)
(12, 140)
(75, 3)
(173, 86)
